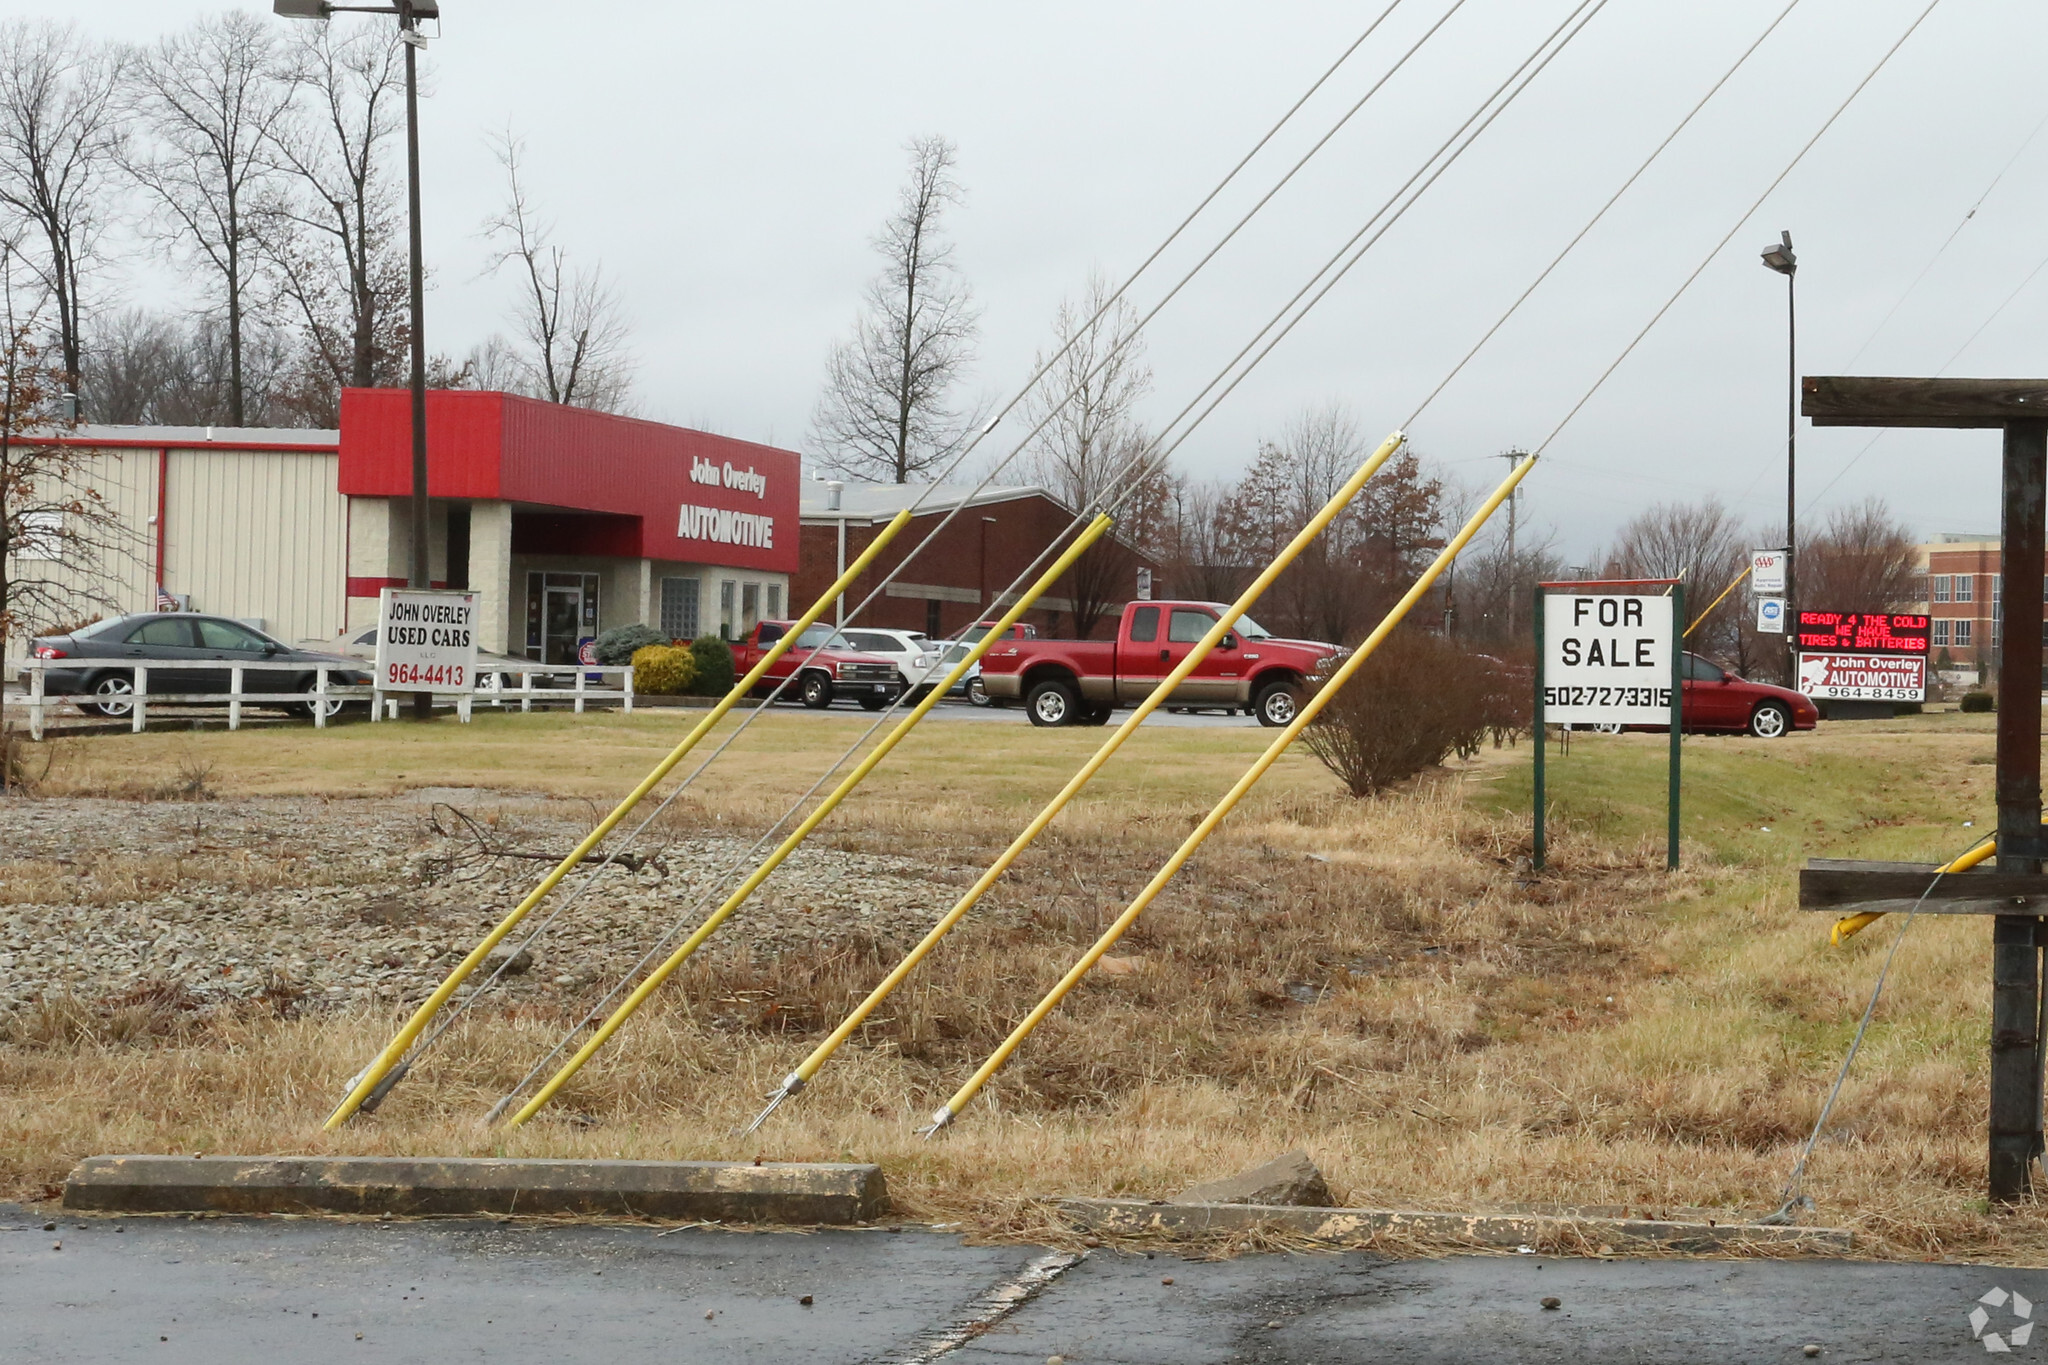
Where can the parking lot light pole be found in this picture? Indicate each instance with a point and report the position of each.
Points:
(409, 13)
(1781, 259)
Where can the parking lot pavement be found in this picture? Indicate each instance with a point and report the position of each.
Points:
(222, 1291)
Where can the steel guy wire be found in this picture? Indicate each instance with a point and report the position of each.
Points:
(1793, 1193)
(1592, 222)
(1533, 65)
(603, 864)
(1740, 223)
(1153, 456)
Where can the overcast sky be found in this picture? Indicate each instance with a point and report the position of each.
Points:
(727, 164)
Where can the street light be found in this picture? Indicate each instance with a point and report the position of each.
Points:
(1781, 259)
(409, 14)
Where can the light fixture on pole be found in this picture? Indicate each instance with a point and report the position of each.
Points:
(408, 13)
(1781, 259)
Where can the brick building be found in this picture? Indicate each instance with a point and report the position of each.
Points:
(998, 534)
(1960, 594)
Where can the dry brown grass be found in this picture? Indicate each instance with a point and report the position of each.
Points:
(1374, 981)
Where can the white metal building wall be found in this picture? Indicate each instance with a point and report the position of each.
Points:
(253, 533)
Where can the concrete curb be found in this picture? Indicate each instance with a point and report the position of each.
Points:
(1548, 1233)
(794, 1192)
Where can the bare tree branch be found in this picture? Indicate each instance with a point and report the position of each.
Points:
(884, 414)
(60, 139)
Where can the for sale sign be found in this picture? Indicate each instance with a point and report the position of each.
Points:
(1607, 659)
(1863, 677)
(426, 640)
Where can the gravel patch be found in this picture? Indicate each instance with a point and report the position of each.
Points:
(344, 902)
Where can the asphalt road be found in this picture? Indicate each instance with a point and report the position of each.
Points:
(223, 1291)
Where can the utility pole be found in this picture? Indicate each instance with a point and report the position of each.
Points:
(1781, 259)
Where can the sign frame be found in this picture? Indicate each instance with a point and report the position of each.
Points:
(429, 679)
(1596, 588)
(1767, 571)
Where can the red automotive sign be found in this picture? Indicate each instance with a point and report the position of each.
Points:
(1863, 632)
(1863, 677)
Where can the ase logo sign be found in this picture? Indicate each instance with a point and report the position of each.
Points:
(1607, 659)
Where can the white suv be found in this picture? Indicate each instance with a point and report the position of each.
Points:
(914, 653)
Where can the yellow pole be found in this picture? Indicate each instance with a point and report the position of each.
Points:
(1717, 601)
(367, 1080)
(797, 1079)
(1230, 799)
(831, 802)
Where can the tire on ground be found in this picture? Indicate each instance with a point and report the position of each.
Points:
(1770, 721)
(1277, 702)
(815, 690)
(1052, 702)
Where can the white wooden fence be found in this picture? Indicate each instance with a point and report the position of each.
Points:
(326, 698)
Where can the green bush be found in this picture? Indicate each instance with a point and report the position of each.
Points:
(1977, 701)
(714, 665)
(616, 646)
(1418, 700)
(663, 670)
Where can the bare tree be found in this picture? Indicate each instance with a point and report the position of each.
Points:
(1090, 440)
(1702, 544)
(154, 369)
(214, 99)
(1194, 547)
(1862, 559)
(335, 238)
(886, 413)
(575, 347)
(60, 139)
(59, 538)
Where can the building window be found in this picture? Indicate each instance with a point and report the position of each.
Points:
(1940, 636)
(750, 606)
(1963, 634)
(775, 601)
(1941, 581)
(1997, 634)
(679, 608)
(931, 617)
(561, 612)
(728, 592)
(1966, 587)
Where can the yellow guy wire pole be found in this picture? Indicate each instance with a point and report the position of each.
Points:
(366, 1081)
(1201, 832)
(799, 1078)
(1092, 533)
(1717, 601)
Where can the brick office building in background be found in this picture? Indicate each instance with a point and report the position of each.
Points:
(997, 535)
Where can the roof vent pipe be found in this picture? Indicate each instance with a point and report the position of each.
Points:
(833, 488)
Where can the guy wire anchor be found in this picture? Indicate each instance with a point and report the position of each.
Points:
(941, 1119)
(790, 1085)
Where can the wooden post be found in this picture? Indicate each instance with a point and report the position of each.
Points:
(2015, 1130)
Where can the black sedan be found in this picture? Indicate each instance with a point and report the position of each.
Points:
(99, 660)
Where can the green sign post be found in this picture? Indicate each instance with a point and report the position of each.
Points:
(1604, 656)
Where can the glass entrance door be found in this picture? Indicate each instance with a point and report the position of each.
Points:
(561, 612)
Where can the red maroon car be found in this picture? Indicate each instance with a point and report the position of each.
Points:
(1717, 701)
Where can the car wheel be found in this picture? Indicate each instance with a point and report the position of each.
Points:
(977, 692)
(1770, 721)
(1052, 703)
(1277, 704)
(1607, 729)
(116, 692)
(873, 703)
(815, 691)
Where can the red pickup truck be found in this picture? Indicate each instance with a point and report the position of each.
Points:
(1079, 682)
(836, 670)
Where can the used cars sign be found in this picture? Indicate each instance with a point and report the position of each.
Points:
(426, 640)
(1863, 677)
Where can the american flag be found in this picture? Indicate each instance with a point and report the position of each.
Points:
(165, 601)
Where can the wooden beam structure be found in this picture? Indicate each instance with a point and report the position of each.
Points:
(2019, 407)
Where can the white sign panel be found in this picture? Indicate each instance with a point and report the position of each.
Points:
(1863, 677)
(1767, 571)
(426, 640)
(1770, 615)
(1607, 659)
